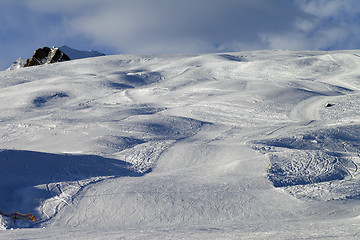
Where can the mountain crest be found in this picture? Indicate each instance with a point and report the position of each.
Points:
(46, 55)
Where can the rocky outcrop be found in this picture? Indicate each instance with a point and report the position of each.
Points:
(46, 55)
(56, 55)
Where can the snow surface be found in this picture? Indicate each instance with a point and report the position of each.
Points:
(19, 63)
(218, 146)
(77, 54)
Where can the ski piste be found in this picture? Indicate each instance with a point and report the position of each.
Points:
(219, 146)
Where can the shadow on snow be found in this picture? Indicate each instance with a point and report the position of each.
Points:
(22, 174)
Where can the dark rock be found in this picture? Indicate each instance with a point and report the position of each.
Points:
(329, 105)
(46, 55)
(38, 58)
(57, 56)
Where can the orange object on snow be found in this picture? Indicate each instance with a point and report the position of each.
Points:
(17, 215)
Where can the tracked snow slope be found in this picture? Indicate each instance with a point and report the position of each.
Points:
(225, 146)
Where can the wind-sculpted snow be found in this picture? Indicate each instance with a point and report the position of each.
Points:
(291, 166)
(30, 180)
(233, 57)
(84, 112)
(248, 145)
(328, 155)
(48, 98)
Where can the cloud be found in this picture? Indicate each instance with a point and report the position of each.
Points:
(187, 26)
(330, 25)
(330, 8)
(163, 26)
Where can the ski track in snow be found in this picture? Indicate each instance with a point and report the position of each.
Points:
(223, 146)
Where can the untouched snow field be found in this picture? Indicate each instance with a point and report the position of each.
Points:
(249, 145)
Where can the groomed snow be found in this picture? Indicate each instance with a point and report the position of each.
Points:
(248, 145)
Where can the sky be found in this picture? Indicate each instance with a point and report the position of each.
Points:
(176, 26)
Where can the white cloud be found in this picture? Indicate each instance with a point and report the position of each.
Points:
(161, 26)
(336, 24)
(305, 25)
(330, 8)
(329, 24)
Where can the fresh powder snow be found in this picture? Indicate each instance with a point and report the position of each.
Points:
(247, 145)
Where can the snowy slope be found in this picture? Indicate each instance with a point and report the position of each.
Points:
(77, 54)
(19, 63)
(226, 146)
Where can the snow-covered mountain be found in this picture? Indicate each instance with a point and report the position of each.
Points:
(248, 145)
(48, 55)
(76, 54)
(19, 63)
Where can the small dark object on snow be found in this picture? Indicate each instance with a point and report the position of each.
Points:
(329, 105)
